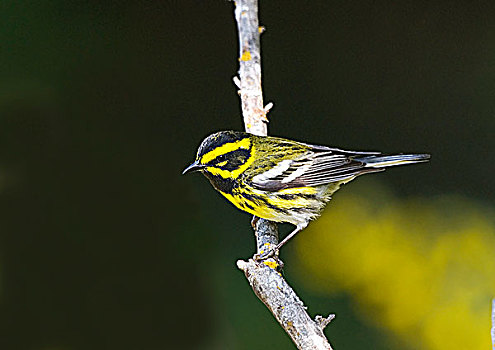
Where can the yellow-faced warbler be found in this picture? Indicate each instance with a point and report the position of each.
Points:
(283, 180)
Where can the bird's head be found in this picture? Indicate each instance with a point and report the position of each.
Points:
(226, 154)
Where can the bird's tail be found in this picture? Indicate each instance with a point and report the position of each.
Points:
(398, 159)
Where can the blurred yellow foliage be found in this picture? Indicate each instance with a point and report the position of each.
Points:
(423, 268)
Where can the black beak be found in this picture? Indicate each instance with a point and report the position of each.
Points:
(193, 167)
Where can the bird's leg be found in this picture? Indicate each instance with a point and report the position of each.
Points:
(298, 229)
(275, 250)
(254, 221)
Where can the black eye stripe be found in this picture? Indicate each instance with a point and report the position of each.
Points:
(232, 155)
(233, 160)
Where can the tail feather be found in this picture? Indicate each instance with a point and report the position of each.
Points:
(398, 159)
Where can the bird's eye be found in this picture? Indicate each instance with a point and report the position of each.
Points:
(221, 158)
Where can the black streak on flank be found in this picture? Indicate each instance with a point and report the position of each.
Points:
(256, 198)
(295, 196)
(246, 205)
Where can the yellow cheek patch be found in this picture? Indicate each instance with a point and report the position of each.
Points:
(219, 172)
(224, 149)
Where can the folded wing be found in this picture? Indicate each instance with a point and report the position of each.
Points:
(318, 166)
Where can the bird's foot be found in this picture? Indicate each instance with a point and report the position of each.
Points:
(269, 258)
(263, 255)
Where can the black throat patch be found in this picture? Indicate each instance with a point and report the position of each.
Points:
(221, 184)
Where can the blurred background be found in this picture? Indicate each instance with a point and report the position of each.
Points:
(104, 245)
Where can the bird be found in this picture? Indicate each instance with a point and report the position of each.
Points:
(283, 180)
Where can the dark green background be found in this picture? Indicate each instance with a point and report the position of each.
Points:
(103, 245)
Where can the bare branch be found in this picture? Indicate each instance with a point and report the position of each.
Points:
(253, 111)
(267, 283)
(324, 321)
(249, 84)
(285, 305)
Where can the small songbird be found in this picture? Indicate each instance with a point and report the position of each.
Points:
(283, 180)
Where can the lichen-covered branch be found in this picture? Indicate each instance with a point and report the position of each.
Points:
(249, 82)
(250, 92)
(267, 283)
(285, 305)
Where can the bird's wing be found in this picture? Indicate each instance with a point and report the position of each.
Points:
(318, 166)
